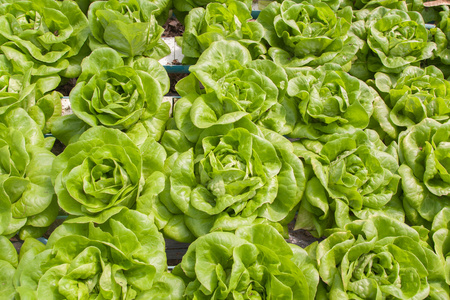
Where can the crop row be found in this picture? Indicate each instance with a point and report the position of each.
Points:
(331, 114)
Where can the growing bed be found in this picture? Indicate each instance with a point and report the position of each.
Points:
(280, 149)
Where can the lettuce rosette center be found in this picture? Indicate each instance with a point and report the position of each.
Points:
(253, 263)
(329, 101)
(353, 176)
(308, 34)
(235, 175)
(397, 38)
(234, 87)
(249, 90)
(46, 34)
(379, 258)
(98, 174)
(117, 96)
(231, 175)
(360, 174)
(106, 181)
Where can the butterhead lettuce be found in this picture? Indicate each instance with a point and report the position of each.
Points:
(424, 156)
(113, 94)
(308, 34)
(379, 258)
(227, 21)
(102, 172)
(119, 259)
(254, 263)
(48, 35)
(235, 175)
(327, 100)
(396, 39)
(414, 95)
(351, 176)
(27, 196)
(234, 87)
(128, 26)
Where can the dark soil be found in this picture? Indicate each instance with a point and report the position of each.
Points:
(52, 228)
(58, 148)
(174, 78)
(17, 243)
(66, 87)
(173, 28)
(300, 237)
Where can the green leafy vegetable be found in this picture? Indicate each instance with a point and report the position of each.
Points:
(254, 263)
(328, 100)
(379, 258)
(365, 6)
(396, 39)
(119, 259)
(236, 175)
(8, 264)
(424, 156)
(15, 90)
(47, 35)
(27, 197)
(102, 172)
(306, 34)
(128, 26)
(228, 21)
(110, 94)
(160, 8)
(182, 7)
(352, 176)
(441, 37)
(441, 239)
(168, 287)
(34, 94)
(234, 87)
(410, 98)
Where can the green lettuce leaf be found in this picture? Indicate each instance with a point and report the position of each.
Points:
(379, 258)
(127, 26)
(441, 238)
(119, 259)
(328, 100)
(227, 21)
(236, 175)
(8, 264)
(103, 172)
(353, 176)
(254, 263)
(28, 199)
(308, 34)
(45, 35)
(424, 169)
